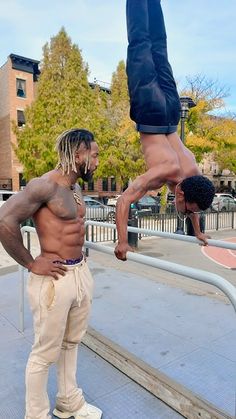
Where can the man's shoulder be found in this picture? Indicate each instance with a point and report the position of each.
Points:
(42, 187)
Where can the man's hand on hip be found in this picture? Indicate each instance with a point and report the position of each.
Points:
(44, 266)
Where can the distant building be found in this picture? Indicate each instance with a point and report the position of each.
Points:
(18, 86)
(223, 180)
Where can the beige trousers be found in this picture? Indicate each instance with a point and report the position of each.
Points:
(60, 313)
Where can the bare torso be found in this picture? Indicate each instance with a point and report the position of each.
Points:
(58, 217)
(164, 153)
(60, 225)
(168, 162)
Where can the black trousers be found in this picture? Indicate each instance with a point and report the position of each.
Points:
(154, 100)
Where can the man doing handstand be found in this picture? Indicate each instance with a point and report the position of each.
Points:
(155, 107)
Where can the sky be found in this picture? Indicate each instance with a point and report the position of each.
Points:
(201, 35)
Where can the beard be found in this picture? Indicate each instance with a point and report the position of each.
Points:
(86, 177)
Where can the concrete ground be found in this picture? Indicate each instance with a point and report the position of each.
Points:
(103, 385)
(184, 328)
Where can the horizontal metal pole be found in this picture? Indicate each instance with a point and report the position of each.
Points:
(28, 229)
(198, 274)
(184, 238)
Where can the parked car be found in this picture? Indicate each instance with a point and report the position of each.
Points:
(112, 200)
(4, 195)
(148, 203)
(225, 195)
(223, 202)
(95, 210)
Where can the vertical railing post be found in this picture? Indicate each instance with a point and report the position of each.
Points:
(217, 220)
(139, 226)
(114, 235)
(162, 222)
(87, 239)
(22, 287)
(22, 299)
(28, 238)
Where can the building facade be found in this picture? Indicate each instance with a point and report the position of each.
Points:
(18, 81)
(223, 180)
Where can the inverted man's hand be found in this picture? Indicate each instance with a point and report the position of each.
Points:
(121, 250)
(203, 237)
(44, 266)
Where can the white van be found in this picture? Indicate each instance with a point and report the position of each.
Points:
(4, 195)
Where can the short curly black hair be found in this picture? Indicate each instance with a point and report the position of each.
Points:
(198, 189)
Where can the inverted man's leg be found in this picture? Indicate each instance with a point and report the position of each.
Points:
(147, 100)
(163, 68)
(140, 71)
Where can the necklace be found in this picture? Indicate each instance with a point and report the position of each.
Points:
(77, 198)
(76, 195)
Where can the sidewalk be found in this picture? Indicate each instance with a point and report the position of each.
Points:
(117, 395)
(182, 327)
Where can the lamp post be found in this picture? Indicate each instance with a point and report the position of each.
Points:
(186, 104)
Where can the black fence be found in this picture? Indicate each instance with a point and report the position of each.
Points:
(163, 222)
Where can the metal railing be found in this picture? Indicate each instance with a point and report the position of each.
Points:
(166, 222)
(157, 233)
(204, 276)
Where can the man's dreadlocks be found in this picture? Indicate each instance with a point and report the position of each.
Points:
(67, 144)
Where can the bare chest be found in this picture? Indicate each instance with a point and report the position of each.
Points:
(67, 205)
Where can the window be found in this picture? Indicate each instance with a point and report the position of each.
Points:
(20, 88)
(105, 184)
(20, 118)
(90, 185)
(113, 184)
(22, 181)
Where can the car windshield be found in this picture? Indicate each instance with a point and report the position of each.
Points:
(147, 200)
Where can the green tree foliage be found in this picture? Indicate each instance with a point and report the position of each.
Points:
(121, 155)
(64, 100)
(206, 133)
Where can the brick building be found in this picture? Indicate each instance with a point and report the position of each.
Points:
(18, 80)
(18, 85)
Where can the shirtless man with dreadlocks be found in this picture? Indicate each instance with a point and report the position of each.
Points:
(60, 284)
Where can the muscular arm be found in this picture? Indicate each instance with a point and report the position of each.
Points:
(17, 209)
(154, 178)
(132, 194)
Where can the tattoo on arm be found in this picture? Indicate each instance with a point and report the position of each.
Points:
(17, 209)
